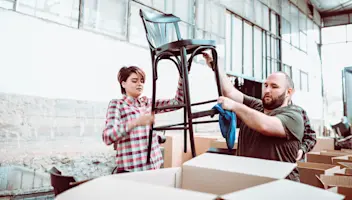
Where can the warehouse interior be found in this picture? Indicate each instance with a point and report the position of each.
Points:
(59, 69)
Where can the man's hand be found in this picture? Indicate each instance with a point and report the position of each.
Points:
(227, 103)
(208, 59)
(299, 155)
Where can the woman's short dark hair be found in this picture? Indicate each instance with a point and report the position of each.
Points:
(126, 72)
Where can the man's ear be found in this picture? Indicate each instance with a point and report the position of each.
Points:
(290, 91)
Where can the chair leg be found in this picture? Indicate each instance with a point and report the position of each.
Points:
(185, 131)
(187, 98)
(216, 70)
(153, 108)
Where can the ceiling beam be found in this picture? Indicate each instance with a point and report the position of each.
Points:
(335, 13)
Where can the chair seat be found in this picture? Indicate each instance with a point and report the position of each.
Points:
(189, 44)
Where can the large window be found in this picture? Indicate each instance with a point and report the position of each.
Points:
(255, 50)
(7, 4)
(107, 17)
(61, 11)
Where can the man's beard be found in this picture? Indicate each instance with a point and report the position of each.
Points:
(274, 103)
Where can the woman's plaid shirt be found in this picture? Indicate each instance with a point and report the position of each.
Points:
(132, 146)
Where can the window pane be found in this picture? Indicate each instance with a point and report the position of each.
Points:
(108, 17)
(228, 41)
(274, 26)
(7, 4)
(200, 14)
(248, 49)
(302, 22)
(237, 45)
(249, 10)
(216, 17)
(304, 82)
(264, 54)
(288, 70)
(265, 17)
(286, 30)
(273, 48)
(61, 11)
(294, 26)
(285, 5)
(258, 53)
(258, 11)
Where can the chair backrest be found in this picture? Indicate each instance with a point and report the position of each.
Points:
(59, 182)
(160, 28)
(342, 129)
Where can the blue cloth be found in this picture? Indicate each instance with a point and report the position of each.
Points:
(227, 123)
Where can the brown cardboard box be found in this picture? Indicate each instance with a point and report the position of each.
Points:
(323, 156)
(338, 184)
(221, 144)
(337, 160)
(174, 155)
(207, 175)
(308, 172)
(324, 143)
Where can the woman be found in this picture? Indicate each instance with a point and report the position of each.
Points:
(128, 121)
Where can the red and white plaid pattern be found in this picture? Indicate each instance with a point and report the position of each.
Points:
(132, 146)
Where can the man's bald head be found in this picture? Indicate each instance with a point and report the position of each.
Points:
(288, 79)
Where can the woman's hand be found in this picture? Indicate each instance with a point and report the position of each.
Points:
(144, 120)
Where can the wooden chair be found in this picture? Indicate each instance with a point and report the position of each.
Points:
(159, 30)
(62, 183)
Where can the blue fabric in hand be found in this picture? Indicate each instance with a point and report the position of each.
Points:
(227, 123)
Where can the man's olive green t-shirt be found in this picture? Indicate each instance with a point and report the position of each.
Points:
(254, 144)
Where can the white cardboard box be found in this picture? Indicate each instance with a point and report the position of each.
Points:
(213, 175)
(282, 189)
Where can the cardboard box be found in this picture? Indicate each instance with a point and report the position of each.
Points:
(345, 159)
(216, 174)
(308, 172)
(324, 143)
(174, 155)
(209, 175)
(338, 184)
(221, 144)
(108, 187)
(324, 156)
(283, 189)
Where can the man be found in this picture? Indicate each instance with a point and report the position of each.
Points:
(270, 128)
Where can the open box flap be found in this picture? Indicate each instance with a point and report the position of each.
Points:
(169, 177)
(243, 165)
(110, 187)
(339, 181)
(318, 166)
(283, 189)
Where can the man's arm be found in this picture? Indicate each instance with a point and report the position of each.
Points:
(227, 88)
(274, 126)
